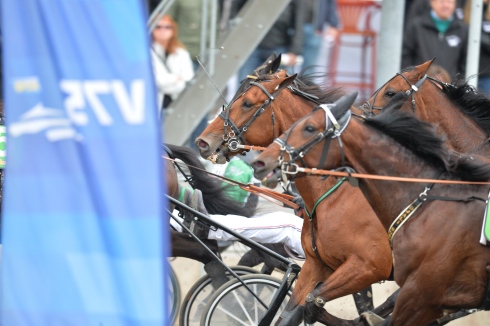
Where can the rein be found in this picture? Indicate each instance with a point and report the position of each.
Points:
(292, 168)
(258, 191)
(188, 178)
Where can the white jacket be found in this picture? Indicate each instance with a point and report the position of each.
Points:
(172, 72)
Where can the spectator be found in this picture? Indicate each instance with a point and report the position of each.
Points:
(437, 33)
(189, 15)
(172, 64)
(415, 8)
(321, 15)
(285, 36)
(484, 64)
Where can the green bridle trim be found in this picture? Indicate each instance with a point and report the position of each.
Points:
(325, 195)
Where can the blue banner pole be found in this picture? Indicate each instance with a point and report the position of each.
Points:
(84, 238)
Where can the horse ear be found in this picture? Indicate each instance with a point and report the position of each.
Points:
(286, 82)
(423, 68)
(343, 104)
(272, 63)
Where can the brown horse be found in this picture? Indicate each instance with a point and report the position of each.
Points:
(347, 259)
(459, 112)
(439, 263)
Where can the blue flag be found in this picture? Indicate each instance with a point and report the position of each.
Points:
(83, 238)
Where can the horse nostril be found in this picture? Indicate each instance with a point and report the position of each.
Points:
(201, 143)
(259, 164)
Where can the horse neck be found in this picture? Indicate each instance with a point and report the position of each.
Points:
(463, 133)
(374, 153)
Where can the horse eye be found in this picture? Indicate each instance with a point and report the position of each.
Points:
(247, 104)
(310, 129)
(390, 93)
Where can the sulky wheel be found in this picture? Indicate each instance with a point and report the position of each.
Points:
(196, 299)
(233, 304)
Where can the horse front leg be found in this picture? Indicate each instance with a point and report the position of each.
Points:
(354, 275)
(312, 272)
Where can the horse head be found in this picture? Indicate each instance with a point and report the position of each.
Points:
(407, 81)
(248, 117)
(308, 134)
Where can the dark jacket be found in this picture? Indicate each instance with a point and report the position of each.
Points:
(321, 12)
(422, 42)
(287, 30)
(484, 67)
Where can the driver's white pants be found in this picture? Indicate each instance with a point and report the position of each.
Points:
(277, 227)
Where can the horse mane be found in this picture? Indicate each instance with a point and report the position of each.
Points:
(307, 82)
(215, 198)
(471, 167)
(473, 103)
(420, 138)
(402, 127)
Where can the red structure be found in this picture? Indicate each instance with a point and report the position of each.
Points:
(355, 32)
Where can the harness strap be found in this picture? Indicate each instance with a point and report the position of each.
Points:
(402, 218)
(461, 200)
(325, 195)
(310, 217)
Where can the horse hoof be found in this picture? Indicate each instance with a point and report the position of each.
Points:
(291, 318)
(371, 318)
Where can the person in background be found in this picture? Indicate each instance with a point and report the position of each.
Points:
(415, 8)
(437, 33)
(172, 65)
(321, 22)
(285, 37)
(189, 16)
(484, 63)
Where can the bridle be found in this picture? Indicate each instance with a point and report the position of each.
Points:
(333, 130)
(234, 138)
(368, 107)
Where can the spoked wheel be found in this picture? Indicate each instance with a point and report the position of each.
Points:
(198, 296)
(173, 295)
(233, 304)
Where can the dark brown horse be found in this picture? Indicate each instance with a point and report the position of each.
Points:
(439, 263)
(347, 259)
(459, 112)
